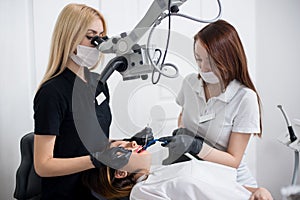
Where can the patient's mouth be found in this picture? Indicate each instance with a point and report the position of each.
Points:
(139, 149)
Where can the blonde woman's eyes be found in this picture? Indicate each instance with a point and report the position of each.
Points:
(89, 37)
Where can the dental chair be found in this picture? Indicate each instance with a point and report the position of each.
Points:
(28, 183)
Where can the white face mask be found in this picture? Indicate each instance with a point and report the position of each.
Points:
(209, 77)
(86, 56)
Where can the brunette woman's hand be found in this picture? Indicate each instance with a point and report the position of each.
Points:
(261, 194)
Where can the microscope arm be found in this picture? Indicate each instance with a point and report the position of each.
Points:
(123, 44)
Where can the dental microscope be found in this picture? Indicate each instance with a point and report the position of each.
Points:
(135, 61)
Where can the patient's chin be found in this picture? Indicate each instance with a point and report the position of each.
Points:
(138, 161)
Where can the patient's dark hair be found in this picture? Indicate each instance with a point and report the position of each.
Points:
(102, 181)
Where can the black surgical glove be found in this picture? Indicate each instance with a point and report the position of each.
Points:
(181, 142)
(115, 157)
(141, 136)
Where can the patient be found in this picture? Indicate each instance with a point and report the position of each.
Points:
(193, 180)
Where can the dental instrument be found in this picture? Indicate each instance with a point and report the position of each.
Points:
(293, 139)
(148, 144)
(290, 128)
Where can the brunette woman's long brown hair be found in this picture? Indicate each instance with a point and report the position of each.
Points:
(223, 44)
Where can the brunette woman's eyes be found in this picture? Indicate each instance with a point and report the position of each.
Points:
(198, 59)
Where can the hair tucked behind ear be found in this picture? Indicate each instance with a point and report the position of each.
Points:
(103, 182)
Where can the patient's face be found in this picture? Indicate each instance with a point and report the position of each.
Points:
(138, 159)
(133, 146)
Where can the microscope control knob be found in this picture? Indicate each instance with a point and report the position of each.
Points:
(124, 34)
(115, 40)
(136, 48)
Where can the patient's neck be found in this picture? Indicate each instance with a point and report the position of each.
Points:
(141, 175)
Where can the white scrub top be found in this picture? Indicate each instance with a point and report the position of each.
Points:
(235, 110)
(191, 180)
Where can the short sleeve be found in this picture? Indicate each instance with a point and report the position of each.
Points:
(180, 95)
(187, 86)
(247, 119)
(48, 111)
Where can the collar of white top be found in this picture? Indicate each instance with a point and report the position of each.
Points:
(230, 91)
(226, 96)
(142, 178)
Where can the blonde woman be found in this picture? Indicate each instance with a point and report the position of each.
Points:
(60, 151)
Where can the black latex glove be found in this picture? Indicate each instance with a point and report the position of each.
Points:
(181, 142)
(141, 136)
(115, 157)
(184, 131)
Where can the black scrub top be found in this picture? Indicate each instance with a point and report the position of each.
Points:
(66, 106)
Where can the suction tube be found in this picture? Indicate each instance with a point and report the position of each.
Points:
(292, 138)
(296, 168)
(290, 128)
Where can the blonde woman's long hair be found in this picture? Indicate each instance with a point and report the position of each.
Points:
(71, 26)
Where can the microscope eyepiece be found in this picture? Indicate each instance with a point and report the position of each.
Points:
(96, 40)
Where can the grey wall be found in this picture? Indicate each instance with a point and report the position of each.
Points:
(277, 76)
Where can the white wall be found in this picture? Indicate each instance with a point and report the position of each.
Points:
(270, 41)
(15, 87)
(277, 75)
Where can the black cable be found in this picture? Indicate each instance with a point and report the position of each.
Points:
(172, 11)
(167, 46)
(201, 20)
(159, 57)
